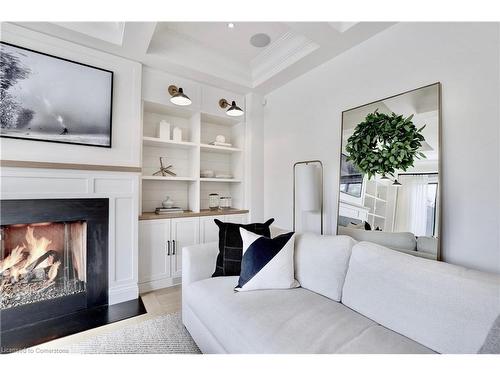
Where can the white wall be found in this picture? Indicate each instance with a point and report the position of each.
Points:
(303, 119)
(126, 126)
(254, 118)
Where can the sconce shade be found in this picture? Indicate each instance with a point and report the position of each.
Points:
(397, 183)
(233, 110)
(178, 96)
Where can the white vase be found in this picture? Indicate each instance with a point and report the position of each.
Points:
(163, 130)
(177, 134)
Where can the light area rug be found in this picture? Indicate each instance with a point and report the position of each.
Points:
(163, 334)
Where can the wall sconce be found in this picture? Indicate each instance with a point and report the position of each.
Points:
(233, 110)
(177, 96)
(396, 183)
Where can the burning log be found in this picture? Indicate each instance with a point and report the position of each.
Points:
(53, 271)
(53, 253)
(34, 272)
(14, 257)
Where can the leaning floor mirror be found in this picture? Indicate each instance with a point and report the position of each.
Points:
(390, 172)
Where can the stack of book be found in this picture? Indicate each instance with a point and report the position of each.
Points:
(171, 210)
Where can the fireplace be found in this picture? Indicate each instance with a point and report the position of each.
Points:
(53, 259)
(42, 261)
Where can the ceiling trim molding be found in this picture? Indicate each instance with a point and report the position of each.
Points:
(281, 54)
(110, 32)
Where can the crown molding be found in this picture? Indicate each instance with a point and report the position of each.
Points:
(279, 55)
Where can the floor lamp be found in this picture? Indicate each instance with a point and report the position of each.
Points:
(309, 180)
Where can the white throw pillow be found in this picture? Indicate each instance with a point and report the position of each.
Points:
(267, 263)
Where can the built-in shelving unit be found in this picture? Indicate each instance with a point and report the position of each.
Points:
(376, 201)
(190, 156)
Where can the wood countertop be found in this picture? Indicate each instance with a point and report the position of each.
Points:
(153, 216)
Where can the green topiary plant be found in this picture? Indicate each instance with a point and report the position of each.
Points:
(384, 143)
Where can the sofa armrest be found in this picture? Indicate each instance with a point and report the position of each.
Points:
(198, 261)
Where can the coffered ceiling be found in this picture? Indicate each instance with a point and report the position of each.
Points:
(217, 54)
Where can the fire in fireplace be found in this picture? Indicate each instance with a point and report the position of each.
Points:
(42, 261)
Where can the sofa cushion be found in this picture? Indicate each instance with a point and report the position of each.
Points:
(278, 321)
(427, 245)
(231, 246)
(272, 321)
(491, 344)
(321, 263)
(380, 340)
(267, 263)
(393, 240)
(447, 308)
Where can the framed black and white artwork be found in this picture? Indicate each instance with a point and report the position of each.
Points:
(48, 98)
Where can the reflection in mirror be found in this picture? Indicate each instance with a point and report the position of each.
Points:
(389, 172)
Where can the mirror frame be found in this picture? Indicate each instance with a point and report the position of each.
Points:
(439, 207)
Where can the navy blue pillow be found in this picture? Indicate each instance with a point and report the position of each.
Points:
(267, 263)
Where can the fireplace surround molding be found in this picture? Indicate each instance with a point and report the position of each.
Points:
(120, 189)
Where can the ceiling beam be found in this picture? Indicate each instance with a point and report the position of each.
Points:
(136, 38)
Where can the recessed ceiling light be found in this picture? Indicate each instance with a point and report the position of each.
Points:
(230, 25)
(260, 40)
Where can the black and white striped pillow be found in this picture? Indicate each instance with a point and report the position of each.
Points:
(267, 263)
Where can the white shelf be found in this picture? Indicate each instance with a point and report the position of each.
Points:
(374, 197)
(221, 119)
(203, 179)
(223, 149)
(375, 215)
(168, 178)
(158, 142)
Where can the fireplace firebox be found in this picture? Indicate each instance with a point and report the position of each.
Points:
(42, 261)
(53, 259)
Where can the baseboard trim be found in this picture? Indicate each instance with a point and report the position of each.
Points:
(158, 284)
(123, 293)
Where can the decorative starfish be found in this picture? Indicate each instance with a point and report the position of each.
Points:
(164, 170)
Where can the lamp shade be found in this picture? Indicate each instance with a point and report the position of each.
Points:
(179, 98)
(308, 188)
(234, 110)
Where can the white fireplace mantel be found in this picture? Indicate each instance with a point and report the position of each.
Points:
(122, 189)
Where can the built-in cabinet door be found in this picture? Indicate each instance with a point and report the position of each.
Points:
(185, 232)
(154, 259)
(209, 231)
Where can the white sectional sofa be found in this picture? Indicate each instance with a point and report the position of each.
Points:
(406, 242)
(354, 298)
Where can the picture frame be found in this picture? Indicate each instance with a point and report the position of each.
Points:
(36, 104)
